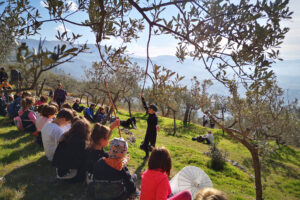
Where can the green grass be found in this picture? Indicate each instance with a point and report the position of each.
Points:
(29, 175)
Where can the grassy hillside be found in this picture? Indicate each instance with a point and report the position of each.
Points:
(26, 173)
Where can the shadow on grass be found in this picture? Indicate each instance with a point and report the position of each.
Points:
(16, 144)
(138, 172)
(36, 180)
(28, 150)
(13, 134)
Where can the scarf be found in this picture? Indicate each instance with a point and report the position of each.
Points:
(114, 163)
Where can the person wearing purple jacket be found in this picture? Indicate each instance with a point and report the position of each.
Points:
(60, 95)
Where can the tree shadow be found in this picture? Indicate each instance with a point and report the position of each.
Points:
(36, 180)
(16, 144)
(27, 151)
(13, 134)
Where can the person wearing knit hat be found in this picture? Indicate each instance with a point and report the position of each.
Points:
(111, 177)
(118, 148)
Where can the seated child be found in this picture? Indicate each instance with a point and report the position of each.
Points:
(155, 182)
(43, 99)
(68, 126)
(66, 105)
(98, 140)
(47, 114)
(112, 179)
(69, 156)
(27, 116)
(77, 107)
(210, 194)
(15, 106)
(51, 132)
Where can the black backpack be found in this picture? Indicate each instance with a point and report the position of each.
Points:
(107, 190)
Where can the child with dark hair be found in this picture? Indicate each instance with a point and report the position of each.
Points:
(155, 182)
(66, 105)
(51, 132)
(43, 99)
(27, 116)
(47, 114)
(69, 156)
(95, 150)
(112, 179)
(152, 128)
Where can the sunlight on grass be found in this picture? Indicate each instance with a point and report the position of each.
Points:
(28, 174)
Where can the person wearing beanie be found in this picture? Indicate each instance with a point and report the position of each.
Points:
(111, 177)
(152, 128)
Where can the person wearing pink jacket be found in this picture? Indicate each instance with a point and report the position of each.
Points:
(155, 182)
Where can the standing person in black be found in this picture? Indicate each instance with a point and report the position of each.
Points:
(60, 95)
(3, 75)
(152, 128)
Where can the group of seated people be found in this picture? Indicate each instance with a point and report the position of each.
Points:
(76, 150)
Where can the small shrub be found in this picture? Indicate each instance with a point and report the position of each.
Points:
(218, 158)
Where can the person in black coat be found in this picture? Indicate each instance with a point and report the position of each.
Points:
(77, 107)
(152, 128)
(111, 177)
(69, 157)
(3, 75)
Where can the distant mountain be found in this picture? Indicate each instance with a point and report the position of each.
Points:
(288, 71)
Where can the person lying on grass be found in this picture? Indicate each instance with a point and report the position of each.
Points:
(95, 150)
(51, 132)
(208, 138)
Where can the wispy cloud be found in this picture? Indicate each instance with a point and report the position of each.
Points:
(61, 28)
(73, 5)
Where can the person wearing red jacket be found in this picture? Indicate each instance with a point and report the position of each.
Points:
(155, 182)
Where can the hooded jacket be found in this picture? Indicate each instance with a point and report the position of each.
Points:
(155, 185)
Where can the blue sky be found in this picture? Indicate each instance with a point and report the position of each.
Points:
(164, 45)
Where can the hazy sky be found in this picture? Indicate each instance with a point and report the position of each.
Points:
(165, 45)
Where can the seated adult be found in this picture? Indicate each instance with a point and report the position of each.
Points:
(77, 107)
(208, 138)
(89, 113)
(100, 115)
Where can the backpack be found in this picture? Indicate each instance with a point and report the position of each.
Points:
(23, 122)
(18, 123)
(107, 190)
